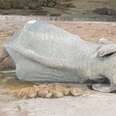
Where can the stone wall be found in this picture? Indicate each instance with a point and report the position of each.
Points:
(28, 4)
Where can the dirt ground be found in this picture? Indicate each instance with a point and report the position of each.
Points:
(90, 31)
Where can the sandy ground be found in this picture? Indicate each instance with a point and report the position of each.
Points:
(97, 104)
(92, 105)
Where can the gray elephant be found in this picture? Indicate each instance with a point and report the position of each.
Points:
(43, 52)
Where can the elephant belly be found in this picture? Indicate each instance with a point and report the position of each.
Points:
(29, 70)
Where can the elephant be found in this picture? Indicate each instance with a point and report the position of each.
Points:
(43, 52)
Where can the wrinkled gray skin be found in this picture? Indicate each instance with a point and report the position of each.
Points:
(43, 52)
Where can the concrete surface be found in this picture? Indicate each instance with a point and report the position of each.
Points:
(97, 104)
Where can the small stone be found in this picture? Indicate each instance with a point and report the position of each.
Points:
(66, 91)
(43, 93)
(57, 94)
(32, 93)
(76, 92)
(49, 95)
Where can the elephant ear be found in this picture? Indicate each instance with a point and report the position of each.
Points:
(106, 50)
